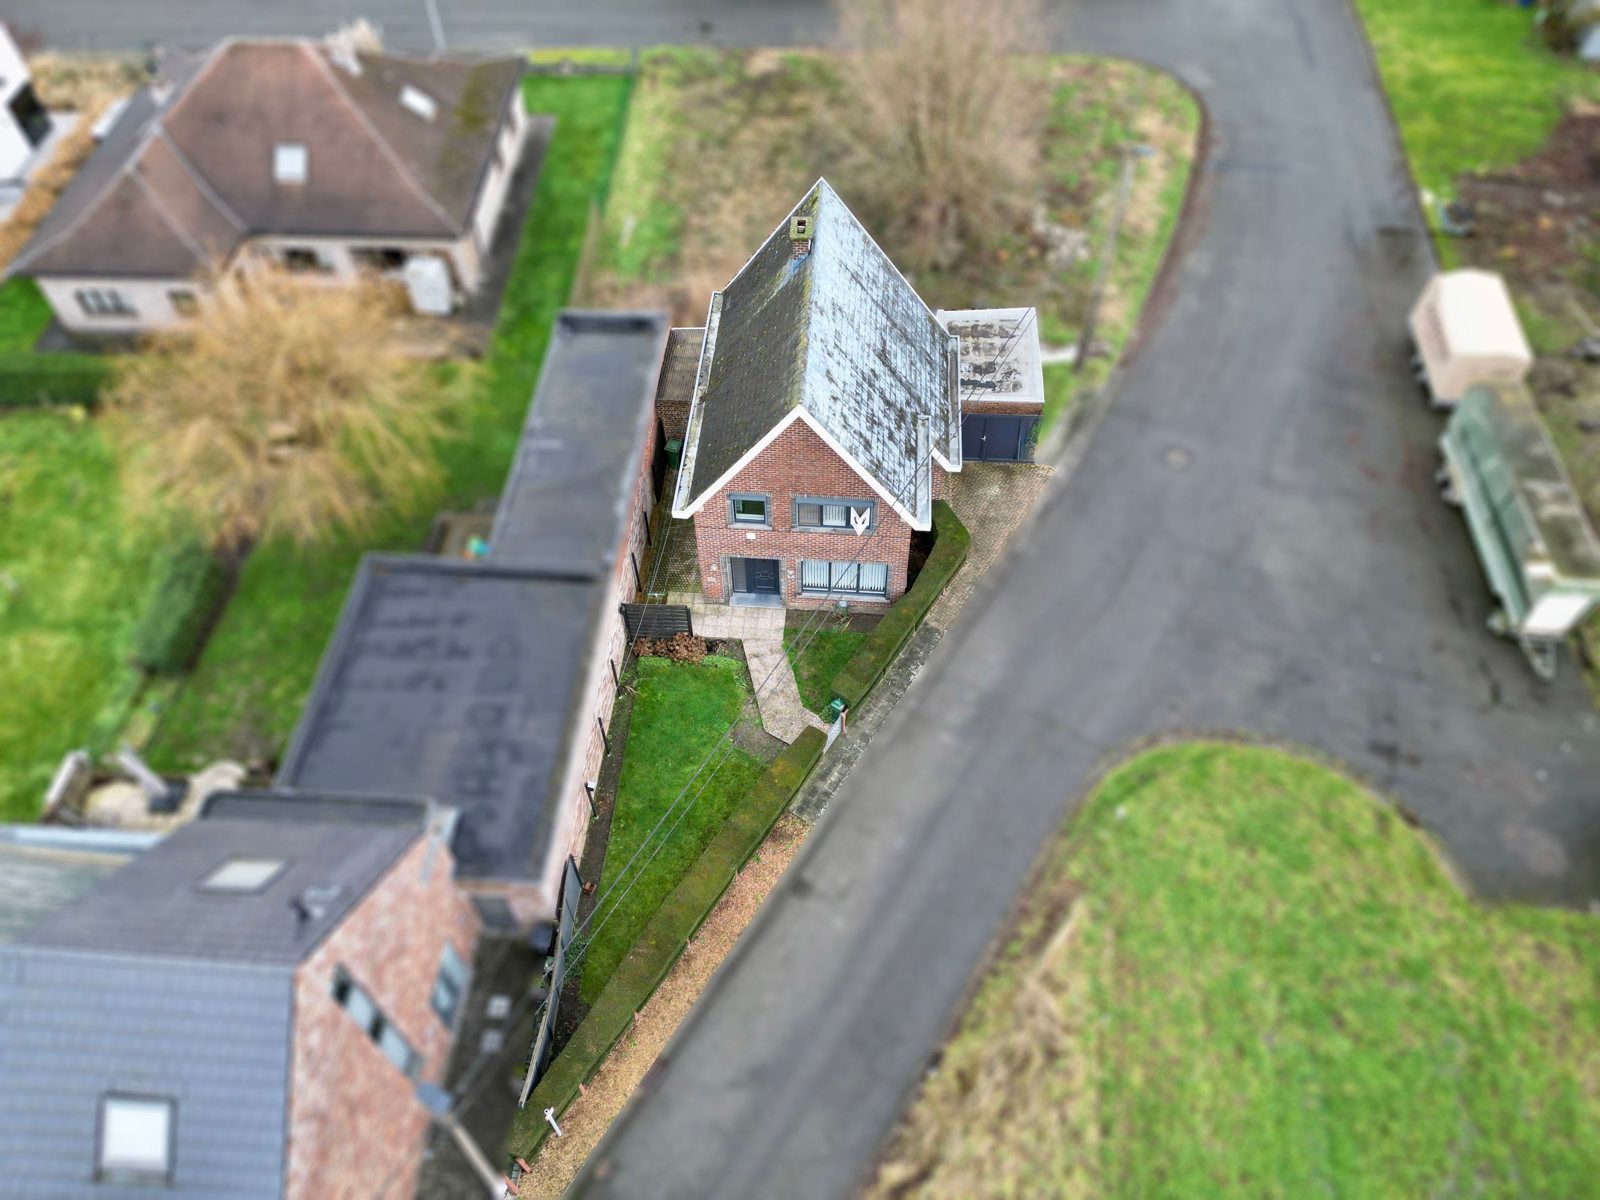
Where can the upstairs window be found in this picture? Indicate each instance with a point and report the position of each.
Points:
(748, 510)
(811, 513)
(135, 1139)
(291, 162)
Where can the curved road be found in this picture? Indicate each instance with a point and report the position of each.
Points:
(1290, 572)
(1298, 578)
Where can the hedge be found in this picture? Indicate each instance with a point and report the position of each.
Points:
(32, 380)
(950, 544)
(677, 920)
(189, 589)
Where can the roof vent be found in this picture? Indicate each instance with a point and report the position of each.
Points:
(419, 102)
(312, 904)
(799, 228)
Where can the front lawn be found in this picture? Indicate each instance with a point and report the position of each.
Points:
(24, 315)
(247, 691)
(817, 656)
(759, 126)
(680, 715)
(72, 585)
(1238, 974)
(1472, 87)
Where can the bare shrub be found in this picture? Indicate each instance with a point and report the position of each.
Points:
(286, 408)
(944, 117)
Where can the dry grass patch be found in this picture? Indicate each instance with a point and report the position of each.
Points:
(586, 1121)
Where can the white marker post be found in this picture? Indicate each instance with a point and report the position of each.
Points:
(550, 1115)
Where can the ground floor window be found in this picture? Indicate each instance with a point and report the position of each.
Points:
(103, 302)
(303, 258)
(819, 578)
(380, 259)
(183, 301)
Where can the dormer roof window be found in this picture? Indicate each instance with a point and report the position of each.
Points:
(419, 102)
(290, 162)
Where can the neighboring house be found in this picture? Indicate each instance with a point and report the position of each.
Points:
(331, 161)
(825, 406)
(24, 123)
(487, 685)
(244, 1007)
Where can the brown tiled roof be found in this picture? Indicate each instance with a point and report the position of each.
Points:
(184, 177)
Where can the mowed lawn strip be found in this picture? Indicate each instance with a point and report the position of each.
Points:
(816, 656)
(247, 691)
(680, 716)
(1471, 85)
(72, 586)
(1239, 974)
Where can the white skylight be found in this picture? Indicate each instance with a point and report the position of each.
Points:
(290, 162)
(243, 875)
(419, 102)
(135, 1136)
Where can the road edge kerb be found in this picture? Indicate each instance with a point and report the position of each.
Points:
(1375, 70)
(1066, 444)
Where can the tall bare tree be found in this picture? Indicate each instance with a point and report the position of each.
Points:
(286, 408)
(945, 116)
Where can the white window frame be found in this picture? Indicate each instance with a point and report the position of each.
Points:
(135, 1168)
(103, 302)
(455, 977)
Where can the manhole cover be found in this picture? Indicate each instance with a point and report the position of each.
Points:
(1176, 458)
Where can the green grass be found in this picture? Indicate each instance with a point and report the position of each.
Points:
(1270, 987)
(824, 654)
(1472, 87)
(72, 580)
(245, 695)
(24, 314)
(680, 713)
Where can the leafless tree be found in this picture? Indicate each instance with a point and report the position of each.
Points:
(944, 116)
(286, 408)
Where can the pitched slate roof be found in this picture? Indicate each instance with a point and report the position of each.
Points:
(826, 328)
(146, 983)
(187, 170)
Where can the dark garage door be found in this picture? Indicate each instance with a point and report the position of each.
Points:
(989, 438)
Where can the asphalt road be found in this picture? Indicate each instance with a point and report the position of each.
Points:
(1251, 542)
(1289, 571)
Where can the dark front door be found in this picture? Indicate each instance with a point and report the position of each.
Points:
(760, 576)
(986, 437)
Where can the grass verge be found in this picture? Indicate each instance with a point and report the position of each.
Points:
(1471, 86)
(245, 695)
(1238, 974)
(681, 712)
(823, 655)
(664, 937)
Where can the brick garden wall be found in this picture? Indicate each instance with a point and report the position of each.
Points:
(355, 1129)
(799, 463)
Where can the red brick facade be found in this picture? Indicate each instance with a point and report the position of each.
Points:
(799, 463)
(355, 1128)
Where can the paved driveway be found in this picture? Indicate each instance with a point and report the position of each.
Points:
(1297, 577)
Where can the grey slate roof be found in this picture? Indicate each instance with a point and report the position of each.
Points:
(214, 1036)
(36, 881)
(568, 498)
(457, 682)
(832, 327)
(154, 905)
(186, 173)
(145, 984)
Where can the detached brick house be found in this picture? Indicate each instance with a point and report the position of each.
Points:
(244, 1008)
(826, 406)
(331, 161)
